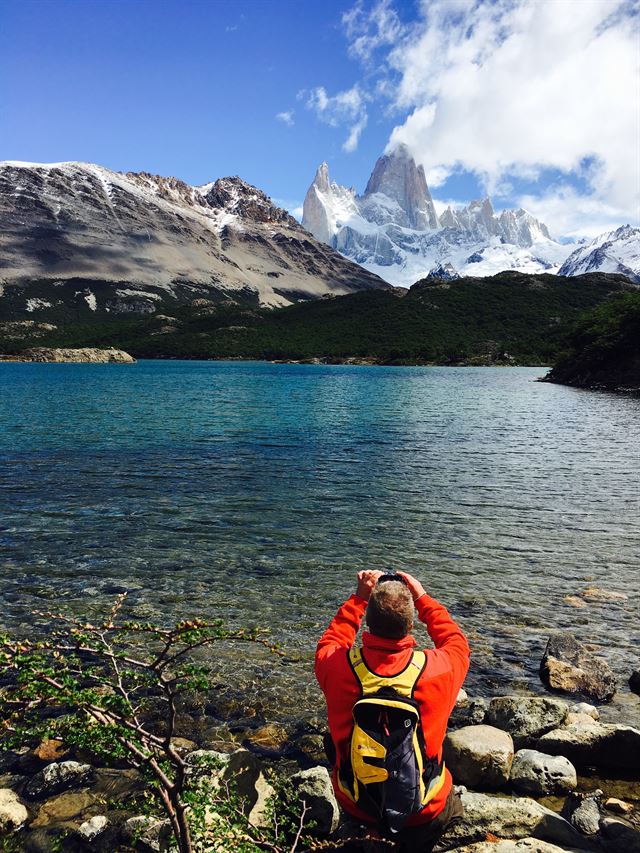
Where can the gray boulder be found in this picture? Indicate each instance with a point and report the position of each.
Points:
(313, 788)
(583, 812)
(479, 756)
(13, 814)
(569, 667)
(537, 774)
(595, 744)
(57, 777)
(512, 818)
(526, 717)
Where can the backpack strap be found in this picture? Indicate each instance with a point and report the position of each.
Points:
(403, 682)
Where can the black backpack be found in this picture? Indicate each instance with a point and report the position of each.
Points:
(387, 773)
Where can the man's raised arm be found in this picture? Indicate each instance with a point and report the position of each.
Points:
(344, 626)
(444, 632)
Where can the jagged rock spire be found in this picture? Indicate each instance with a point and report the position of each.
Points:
(397, 176)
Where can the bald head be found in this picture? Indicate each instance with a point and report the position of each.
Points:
(390, 610)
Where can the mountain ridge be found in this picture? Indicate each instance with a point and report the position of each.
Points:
(109, 232)
(393, 228)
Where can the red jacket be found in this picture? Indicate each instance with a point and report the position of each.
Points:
(435, 692)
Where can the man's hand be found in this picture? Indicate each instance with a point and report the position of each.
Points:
(415, 587)
(367, 579)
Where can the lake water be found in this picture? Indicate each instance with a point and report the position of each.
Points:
(256, 491)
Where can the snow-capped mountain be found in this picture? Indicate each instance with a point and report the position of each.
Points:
(617, 251)
(393, 228)
(81, 237)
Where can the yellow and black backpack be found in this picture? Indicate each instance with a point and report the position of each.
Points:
(387, 773)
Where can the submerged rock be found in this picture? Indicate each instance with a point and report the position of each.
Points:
(569, 667)
(479, 756)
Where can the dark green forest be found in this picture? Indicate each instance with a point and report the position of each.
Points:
(509, 318)
(603, 347)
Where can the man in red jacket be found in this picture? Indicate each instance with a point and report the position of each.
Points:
(387, 650)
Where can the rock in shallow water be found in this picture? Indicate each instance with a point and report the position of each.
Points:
(526, 717)
(537, 774)
(569, 667)
(479, 756)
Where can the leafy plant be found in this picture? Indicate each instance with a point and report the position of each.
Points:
(113, 688)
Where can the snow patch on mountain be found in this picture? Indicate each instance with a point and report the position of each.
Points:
(616, 251)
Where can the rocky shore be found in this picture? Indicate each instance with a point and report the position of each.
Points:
(55, 355)
(537, 774)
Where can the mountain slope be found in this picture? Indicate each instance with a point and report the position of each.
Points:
(616, 251)
(508, 318)
(393, 228)
(77, 237)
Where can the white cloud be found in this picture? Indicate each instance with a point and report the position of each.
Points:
(286, 117)
(368, 30)
(510, 88)
(345, 108)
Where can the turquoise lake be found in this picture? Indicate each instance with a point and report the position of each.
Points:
(255, 491)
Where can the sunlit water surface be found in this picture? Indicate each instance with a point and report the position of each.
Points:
(256, 491)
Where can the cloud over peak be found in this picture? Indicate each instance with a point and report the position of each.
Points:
(514, 90)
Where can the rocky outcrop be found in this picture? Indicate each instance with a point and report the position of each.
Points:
(82, 355)
(397, 177)
(479, 756)
(569, 667)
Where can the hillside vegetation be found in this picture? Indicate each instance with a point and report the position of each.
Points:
(604, 348)
(508, 318)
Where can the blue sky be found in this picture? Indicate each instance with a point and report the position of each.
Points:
(269, 89)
